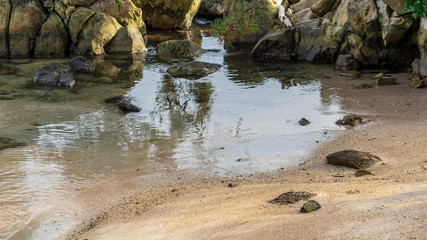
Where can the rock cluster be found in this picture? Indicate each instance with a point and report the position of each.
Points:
(45, 28)
(369, 33)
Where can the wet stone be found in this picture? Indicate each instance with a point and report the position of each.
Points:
(124, 104)
(353, 159)
(303, 122)
(350, 120)
(364, 86)
(291, 197)
(418, 83)
(192, 70)
(55, 74)
(310, 206)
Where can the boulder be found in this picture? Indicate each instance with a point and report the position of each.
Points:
(77, 20)
(127, 40)
(81, 64)
(365, 53)
(168, 14)
(302, 16)
(25, 22)
(124, 11)
(178, 49)
(349, 120)
(211, 9)
(353, 159)
(192, 70)
(96, 33)
(303, 4)
(124, 104)
(346, 62)
(291, 197)
(322, 7)
(395, 31)
(55, 74)
(5, 10)
(307, 45)
(310, 206)
(52, 39)
(82, 3)
(396, 5)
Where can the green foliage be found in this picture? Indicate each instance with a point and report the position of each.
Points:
(246, 19)
(418, 8)
(118, 4)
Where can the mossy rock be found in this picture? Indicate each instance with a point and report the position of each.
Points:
(353, 159)
(310, 206)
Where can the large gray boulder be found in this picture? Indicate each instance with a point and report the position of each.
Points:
(128, 40)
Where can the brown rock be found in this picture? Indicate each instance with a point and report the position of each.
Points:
(25, 22)
(52, 39)
(127, 40)
(97, 33)
(5, 10)
(346, 62)
(77, 20)
(303, 4)
(396, 5)
(353, 159)
(321, 7)
(168, 14)
(178, 49)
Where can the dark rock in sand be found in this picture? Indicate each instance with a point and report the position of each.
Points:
(81, 64)
(353, 159)
(310, 206)
(349, 120)
(291, 197)
(124, 104)
(9, 143)
(192, 70)
(55, 74)
(303, 122)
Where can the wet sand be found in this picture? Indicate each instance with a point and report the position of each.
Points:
(390, 204)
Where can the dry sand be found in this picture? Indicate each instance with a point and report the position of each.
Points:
(391, 204)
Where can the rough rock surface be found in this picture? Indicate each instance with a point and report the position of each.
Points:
(124, 104)
(353, 159)
(178, 49)
(55, 74)
(211, 9)
(25, 22)
(97, 32)
(81, 64)
(127, 40)
(5, 9)
(52, 39)
(291, 197)
(310, 206)
(349, 120)
(192, 70)
(77, 20)
(346, 62)
(168, 14)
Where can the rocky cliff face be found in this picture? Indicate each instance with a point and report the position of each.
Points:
(371, 31)
(56, 28)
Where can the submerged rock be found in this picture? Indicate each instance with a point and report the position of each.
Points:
(81, 64)
(349, 120)
(124, 104)
(303, 122)
(9, 143)
(383, 81)
(291, 197)
(310, 206)
(179, 49)
(192, 70)
(55, 74)
(353, 159)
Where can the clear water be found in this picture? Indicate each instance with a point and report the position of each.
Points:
(240, 120)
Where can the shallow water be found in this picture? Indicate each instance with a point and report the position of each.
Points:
(240, 120)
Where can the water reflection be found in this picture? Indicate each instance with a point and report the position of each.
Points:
(239, 120)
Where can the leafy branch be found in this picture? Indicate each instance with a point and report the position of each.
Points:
(418, 8)
(244, 20)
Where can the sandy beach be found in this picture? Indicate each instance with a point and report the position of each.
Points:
(390, 204)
